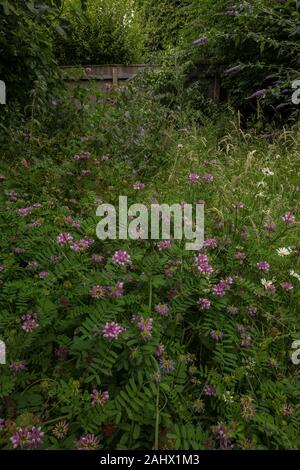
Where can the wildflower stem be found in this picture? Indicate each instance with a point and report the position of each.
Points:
(157, 419)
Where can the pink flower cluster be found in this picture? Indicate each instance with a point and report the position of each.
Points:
(29, 322)
(145, 325)
(117, 290)
(112, 330)
(64, 238)
(121, 258)
(98, 397)
(70, 221)
(193, 177)
(202, 264)
(210, 243)
(29, 438)
(288, 218)
(81, 245)
(263, 266)
(162, 309)
(98, 292)
(88, 442)
(85, 155)
(24, 211)
(138, 186)
(222, 287)
(204, 304)
(164, 245)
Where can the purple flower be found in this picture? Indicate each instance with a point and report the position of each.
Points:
(258, 94)
(193, 177)
(64, 238)
(97, 258)
(160, 350)
(288, 218)
(216, 335)
(202, 264)
(17, 366)
(252, 311)
(145, 326)
(27, 438)
(54, 259)
(210, 391)
(138, 186)
(270, 227)
(162, 309)
(232, 69)
(210, 243)
(117, 290)
(208, 178)
(89, 442)
(263, 266)
(29, 322)
(240, 255)
(99, 398)
(200, 41)
(2, 424)
(166, 365)
(43, 274)
(112, 330)
(24, 211)
(85, 155)
(81, 245)
(121, 258)
(60, 430)
(21, 438)
(287, 286)
(98, 292)
(164, 245)
(232, 310)
(221, 287)
(204, 304)
(281, 106)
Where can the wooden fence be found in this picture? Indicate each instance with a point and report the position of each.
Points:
(104, 77)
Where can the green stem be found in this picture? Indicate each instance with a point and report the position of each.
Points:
(157, 420)
(150, 294)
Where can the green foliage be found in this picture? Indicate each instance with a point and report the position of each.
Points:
(198, 390)
(103, 32)
(27, 63)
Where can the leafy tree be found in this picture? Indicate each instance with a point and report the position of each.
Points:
(100, 31)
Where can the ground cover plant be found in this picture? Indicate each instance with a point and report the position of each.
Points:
(140, 344)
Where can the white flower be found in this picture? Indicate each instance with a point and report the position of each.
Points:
(261, 183)
(294, 274)
(267, 172)
(266, 284)
(284, 251)
(227, 397)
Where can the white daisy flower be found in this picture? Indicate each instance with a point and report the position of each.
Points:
(267, 172)
(284, 251)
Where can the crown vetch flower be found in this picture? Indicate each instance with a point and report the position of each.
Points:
(98, 292)
(60, 430)
(64, 238)
(88, 442)
(98, 397)
(162, 309)
(204, 304)
(121, 258)
(112, 330)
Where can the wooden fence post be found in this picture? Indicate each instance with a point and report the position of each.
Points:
(115, 76)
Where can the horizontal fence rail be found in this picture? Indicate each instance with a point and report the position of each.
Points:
(105, 77)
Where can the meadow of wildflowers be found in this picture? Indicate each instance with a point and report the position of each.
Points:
(141, 344)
